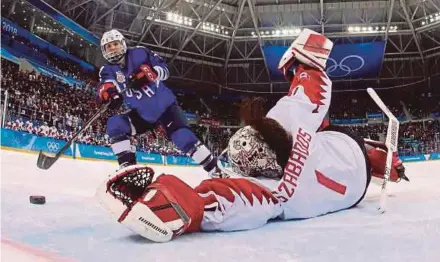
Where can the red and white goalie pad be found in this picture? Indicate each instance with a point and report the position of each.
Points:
(157, 211)
(233, 204)
(309, 48)
(168, 207)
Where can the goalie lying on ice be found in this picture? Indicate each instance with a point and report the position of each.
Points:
(289, 164)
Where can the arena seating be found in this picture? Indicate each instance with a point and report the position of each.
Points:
(47, 107)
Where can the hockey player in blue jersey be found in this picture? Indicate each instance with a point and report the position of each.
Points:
(150, 101)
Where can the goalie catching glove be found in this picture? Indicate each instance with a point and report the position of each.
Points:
(158, 211)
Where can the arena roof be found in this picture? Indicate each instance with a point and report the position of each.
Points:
(219, 43)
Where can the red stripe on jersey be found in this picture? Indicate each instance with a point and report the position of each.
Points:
(330, 183)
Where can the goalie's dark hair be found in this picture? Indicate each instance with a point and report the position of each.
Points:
(252, 113)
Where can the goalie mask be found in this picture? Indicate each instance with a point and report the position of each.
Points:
(309, 48)
(113, 54)
(250, 156)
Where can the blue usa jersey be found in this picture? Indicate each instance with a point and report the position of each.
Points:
(151, 100)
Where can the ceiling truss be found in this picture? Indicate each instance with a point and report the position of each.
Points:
(234, 60)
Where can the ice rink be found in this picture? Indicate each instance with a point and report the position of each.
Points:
(72, 226)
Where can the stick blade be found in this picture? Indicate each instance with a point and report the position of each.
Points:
(45, 161)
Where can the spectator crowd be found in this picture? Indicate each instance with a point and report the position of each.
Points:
(43, 106)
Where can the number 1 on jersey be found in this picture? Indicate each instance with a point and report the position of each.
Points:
(330, 183)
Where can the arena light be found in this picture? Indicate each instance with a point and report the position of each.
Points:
(432, 18)
(210, 27)
(370, 29)
(279, 32)
(188, 22)
(207, 5)
(179, 19)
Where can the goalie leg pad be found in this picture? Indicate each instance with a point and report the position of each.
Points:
(157, 211)
(169, 208)
(175, 203)
(233, 204)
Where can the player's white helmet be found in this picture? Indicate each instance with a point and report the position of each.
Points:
(249, 155)
(117, 55)
(310, 48)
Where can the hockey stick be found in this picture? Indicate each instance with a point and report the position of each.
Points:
(390, 142)
(45, 160)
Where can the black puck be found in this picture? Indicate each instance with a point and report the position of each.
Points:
(38, 200)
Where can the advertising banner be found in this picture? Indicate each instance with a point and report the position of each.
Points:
(179, 160)
(348, 121)
(142, 157)
(434, 156)
(26, 141)
(92, 151)
(415, 158)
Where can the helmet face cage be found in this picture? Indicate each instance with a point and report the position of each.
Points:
(251, 156)
(108, 37)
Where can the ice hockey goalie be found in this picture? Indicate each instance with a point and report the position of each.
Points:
(286, 164)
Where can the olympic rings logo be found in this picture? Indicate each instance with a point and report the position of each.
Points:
(53, 146)
(343, 68)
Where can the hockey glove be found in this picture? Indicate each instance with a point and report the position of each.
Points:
(144, 76)
(377, 154)
(109, 94)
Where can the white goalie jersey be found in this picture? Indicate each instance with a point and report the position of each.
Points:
(326, 171)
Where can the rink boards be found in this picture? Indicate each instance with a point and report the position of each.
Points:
(28, 142)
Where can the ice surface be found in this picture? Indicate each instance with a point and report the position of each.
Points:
(73, 226)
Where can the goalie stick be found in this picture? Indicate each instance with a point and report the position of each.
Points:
(390, 142)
